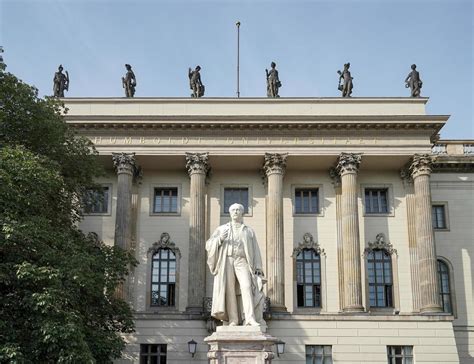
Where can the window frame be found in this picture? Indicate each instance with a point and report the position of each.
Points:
(444, 204)
(392, 356)
(313, 284)
(449, 266)
(321, 206)
(167, 283)
(390, 199)
(314, 356)
(238, 185)
(148, 355)
(386, 258)
(109, 202)
(178, 199)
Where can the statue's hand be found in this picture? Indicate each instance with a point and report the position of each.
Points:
(223, 235)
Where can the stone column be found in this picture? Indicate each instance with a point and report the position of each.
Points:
(336, 181)
(125, 166)
(197, 165)
(420, 169)
(412, 246)
(347, 167)
(274, 169)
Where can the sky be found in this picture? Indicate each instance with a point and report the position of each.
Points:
(308, 40)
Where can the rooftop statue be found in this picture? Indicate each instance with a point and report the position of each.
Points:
(129, 82)
(273, 81)
(195, 83)
(347, 85)
(60, 82)
(414, 82)
(233, 257)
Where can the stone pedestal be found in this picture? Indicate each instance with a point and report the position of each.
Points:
(240, 345)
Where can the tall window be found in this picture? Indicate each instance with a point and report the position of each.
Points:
(379, 267)
(438, 216)
(96, 200)
(236, 195)
(376, 200)
(318, 354)
(308, 278)
(400, 354)
(306, 201)
(166, 200)
(163, 279)
(444, 287)
(153, 354)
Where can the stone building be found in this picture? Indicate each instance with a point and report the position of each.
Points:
(364, 219)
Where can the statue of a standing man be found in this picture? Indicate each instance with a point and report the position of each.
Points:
(347, 85)
(129, 82)
(195, 83)
(413, 81)
(233, 257)
(273, 81)
(60, 82)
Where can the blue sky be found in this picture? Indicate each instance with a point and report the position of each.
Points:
(309, 41)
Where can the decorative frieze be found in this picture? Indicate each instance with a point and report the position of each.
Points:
(197, 163)
(348, 163)
(164, 243)
(307, 243)
(380, 243)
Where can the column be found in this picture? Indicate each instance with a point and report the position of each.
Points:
(420, 169)
(347, 167)
(125, 166)
(197, 165)
(336, 181)
(274, 169)
(412, 246)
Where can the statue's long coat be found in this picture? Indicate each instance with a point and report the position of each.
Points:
(216, 260)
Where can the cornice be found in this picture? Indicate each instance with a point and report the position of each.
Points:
(452, 164)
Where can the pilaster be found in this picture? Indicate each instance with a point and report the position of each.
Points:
(274, 170)
(197, 165)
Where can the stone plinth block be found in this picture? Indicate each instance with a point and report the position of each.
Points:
(239, 345)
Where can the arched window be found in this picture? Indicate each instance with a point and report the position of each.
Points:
(308, 278)
(163, 278)
(379, 269)
(444, 287)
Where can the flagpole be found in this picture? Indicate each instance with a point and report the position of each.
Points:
(238, 58)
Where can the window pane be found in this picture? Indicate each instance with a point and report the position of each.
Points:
(166, 200)
(236, 195)
(306, 200)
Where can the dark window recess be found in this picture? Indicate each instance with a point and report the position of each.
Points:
(166, 200)
(153, 354)
(306, 201)
(444, 287)
(379, 267)
(308, 279)
(318, 354)
(96, 200)
(376, 200)
(400, 354)
(163, 278)
(438, 216)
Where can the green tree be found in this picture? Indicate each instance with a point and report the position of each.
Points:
(57, 284)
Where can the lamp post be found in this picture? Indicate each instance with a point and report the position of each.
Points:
(280, 346)
(192, 346)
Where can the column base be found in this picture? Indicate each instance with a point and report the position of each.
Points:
(431, 309)
(353, 309)
(240, 344)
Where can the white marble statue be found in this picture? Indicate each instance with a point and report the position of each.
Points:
(234, 260)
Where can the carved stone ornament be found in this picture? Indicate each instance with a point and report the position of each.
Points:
(406, 177)
(275, 163)
(380, 243)
(348, 163)
(124, 163)
(307, 243)
(335, 177)
(197, 163)
(164, 243)
(421, 164)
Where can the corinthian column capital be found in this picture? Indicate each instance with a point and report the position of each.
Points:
(348, 163)
(124, 163)
(421, 164)
(274, 163)
(197, 163)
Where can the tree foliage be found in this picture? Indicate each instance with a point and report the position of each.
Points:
(57, 284)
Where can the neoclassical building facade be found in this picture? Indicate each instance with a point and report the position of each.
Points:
(363, 216)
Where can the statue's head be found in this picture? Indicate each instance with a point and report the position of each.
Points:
(273, 64)
(164, 237)
(307, 238)
(236, 211)
(413, 67)
(198, 68)
(347, 65)
(128, 67)
(60, 68)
